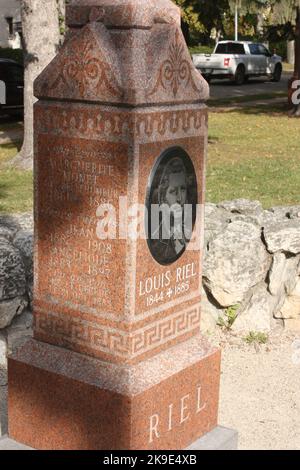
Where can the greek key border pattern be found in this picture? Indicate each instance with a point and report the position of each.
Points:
(79, 332)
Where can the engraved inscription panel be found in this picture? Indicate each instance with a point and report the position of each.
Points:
(74, 266)
(167, 278)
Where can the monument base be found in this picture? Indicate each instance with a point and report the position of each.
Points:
(59, 399)
(219, 438)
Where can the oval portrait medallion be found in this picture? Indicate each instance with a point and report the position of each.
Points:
(171, 205)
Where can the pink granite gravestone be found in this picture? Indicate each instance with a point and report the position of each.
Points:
(117, 361)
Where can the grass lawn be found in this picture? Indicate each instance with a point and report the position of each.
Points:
(201, 49)
(254, 153)
(288, 67)
(246, 99)
(15, 186)
(13, 124)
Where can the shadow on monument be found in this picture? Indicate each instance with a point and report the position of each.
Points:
(78, 420)
(3, 401)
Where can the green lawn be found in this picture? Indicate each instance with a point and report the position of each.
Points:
(16, 190)
(201, 49)
(288, 67)
(253, 153)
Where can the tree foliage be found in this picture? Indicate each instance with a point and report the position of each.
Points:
(285, 11)
(247, 6)
(281, 18)
(190, 15)
(202, 16)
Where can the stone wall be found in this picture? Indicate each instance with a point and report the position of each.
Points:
(252, 265)
(16, 276)
(251, 271)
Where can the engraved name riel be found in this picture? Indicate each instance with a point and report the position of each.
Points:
(176, 414)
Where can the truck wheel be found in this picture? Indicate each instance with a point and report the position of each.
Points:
(277, 73)
(240, 75)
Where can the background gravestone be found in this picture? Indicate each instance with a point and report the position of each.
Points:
(116, 361)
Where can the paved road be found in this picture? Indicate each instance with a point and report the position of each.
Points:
(226, 89)
(11, 130)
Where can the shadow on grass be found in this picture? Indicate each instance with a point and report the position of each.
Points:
(4, 195)
(11, 145)
(15, 185)
(213, 139)
(276, 109)
(7, 121)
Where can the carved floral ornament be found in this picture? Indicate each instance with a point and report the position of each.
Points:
(87, 69)
(84, 70)
(176, 71)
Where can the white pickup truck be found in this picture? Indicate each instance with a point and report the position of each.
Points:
(239, 60)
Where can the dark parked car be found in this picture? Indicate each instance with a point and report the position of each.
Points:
(11, 87)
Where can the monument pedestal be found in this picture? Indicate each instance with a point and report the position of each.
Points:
(220, 438)
(60, 399)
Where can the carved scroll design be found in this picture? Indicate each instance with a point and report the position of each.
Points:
(176, 71)
(84, 70)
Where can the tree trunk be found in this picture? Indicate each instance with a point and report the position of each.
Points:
(296, 75)
(260, 24)
(218, 35)
(291, 52)
(40, 41)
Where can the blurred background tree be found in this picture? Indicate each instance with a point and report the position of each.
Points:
(203, 22)
(286, 15)
(41, 38)
(274, 21)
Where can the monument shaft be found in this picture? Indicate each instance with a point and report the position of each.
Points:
(120, 126)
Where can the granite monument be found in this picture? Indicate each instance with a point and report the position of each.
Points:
(117, 361)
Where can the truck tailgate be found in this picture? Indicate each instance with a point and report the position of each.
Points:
(205, 61)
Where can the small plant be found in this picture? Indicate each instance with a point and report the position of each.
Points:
(256, 337)
(229, 317)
